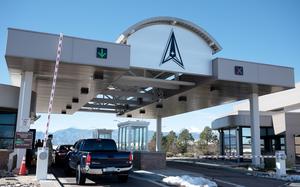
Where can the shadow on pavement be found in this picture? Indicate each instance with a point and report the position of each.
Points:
(108, 180)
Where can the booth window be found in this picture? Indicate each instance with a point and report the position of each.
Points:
(230, 142)
(7, 129)
(246, 140)
(269, 142)
(282, 143)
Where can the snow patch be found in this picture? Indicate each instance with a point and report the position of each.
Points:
(188, 181)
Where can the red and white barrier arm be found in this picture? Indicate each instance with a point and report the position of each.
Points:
(58, 55)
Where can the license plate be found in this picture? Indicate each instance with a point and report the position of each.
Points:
(110, 169)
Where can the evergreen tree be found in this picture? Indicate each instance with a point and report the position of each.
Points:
(171, 139)
(152, 143)
(183, 139)
(208, 136)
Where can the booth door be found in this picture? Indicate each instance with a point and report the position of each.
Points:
(297, 149)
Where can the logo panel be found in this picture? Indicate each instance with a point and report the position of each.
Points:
(172, 52)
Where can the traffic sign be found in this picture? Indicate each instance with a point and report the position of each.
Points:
(101, 53)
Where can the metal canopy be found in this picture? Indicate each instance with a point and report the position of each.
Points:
(89, 84)
(214, 45)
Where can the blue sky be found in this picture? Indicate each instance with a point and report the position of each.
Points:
(265, 31)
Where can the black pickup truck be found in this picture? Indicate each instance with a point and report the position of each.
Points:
(98, 157)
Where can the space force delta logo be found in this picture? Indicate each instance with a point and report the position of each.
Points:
(172, 52)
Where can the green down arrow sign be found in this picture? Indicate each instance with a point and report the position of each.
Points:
(101, 53)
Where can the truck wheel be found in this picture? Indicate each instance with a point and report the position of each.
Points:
(123, 178)
(80, 177)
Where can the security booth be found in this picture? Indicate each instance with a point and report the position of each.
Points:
(133, 135)
(8, 121)
(157, 68)
(11, 125)
(278, 127)
(235, 136)
(102, 133)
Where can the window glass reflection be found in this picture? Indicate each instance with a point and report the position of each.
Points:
(8, 119)
(230, 142)
(246, 131)
(269, 142)
(263, 132)
(271, 132)
(7, 131)
(6, 143)
(246, 140)
(282, 141)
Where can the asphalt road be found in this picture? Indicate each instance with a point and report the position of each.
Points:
(227, 177)
(107, 181)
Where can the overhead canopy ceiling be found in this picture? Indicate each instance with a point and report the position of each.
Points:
(113, 85)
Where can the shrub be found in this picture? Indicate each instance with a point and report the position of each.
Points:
(188, 154)
(170, 154)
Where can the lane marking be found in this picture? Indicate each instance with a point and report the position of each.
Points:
(226, 182)
(148, 180)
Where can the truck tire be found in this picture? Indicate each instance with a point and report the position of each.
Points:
(80, 177)
(123, 178)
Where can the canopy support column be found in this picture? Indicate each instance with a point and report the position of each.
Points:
(158, 134)
(255, 129)
(23, 119)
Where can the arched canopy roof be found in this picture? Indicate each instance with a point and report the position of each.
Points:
(213, 44)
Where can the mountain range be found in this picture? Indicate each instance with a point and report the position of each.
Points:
(71, 135)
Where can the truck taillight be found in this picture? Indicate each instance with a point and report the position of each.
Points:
(88, 159)
(130, 156)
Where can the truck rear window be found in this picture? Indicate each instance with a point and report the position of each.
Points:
(99, 145)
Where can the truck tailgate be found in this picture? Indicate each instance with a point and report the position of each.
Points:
(109, 159)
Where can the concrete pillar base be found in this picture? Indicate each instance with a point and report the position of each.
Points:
(158, 134)
(145, 160)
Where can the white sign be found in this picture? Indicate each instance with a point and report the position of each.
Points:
(170, 48)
